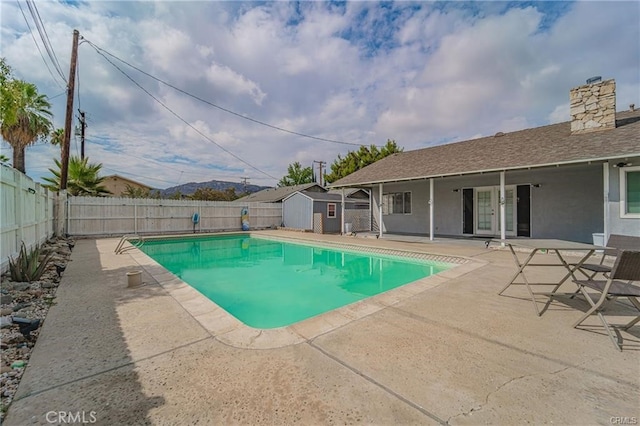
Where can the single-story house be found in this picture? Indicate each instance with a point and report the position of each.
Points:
(118, 185)
(323, 212)
(276, 195)
(567, 181)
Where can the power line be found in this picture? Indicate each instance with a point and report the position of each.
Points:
(165, 166)
(180, 118)
(38, 47)
(35, 14)
(146, 177)
(58, 95)
(218, 106)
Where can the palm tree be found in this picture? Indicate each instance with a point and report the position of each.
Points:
(83, 178)
(57, 137)
(26, 119)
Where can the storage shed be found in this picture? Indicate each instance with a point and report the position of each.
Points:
(320, 212)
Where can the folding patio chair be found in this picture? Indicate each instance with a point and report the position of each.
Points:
(623, 281)
(615, 243)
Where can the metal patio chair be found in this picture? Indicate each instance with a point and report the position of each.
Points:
(615, 243)
(623, 281)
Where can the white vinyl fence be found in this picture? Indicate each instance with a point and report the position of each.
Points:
(106, 216)
(26, 213)
(31, 214)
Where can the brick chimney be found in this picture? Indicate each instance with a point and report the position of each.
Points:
(593, 107)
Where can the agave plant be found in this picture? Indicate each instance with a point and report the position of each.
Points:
(28, 266)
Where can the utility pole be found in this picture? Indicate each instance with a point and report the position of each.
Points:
(83, 125)
(320, 164)
(244, 183)
(64, 168)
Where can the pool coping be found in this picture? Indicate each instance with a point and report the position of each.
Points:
(231, 331)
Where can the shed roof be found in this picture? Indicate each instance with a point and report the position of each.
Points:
(541, 146)
(275, 195)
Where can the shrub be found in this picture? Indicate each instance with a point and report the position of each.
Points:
(28, 266)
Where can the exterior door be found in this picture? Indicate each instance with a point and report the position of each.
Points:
(487, 217)
(485, 211)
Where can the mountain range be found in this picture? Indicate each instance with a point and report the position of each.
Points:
(219, 185)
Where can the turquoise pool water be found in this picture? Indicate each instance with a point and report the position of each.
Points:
(267, 283)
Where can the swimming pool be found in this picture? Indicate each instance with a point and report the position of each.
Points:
(272, 283)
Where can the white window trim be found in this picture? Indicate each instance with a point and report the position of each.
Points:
(335, 211)
(386, 206)
(623, 193)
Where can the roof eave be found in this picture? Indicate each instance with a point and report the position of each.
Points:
(480, 171)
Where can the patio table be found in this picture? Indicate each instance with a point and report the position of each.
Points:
(550, 246)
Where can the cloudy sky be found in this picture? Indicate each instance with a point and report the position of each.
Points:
(421, 73)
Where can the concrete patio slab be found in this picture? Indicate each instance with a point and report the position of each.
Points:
(449, 352)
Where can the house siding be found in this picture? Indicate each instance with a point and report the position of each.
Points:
(297, 212)
(567, 205)
(330, 225)
(617, 224)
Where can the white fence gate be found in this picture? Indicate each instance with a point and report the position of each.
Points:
(105, 216)
(26, 213)
(360, 219)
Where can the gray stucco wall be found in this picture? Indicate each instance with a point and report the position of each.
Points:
(567, 205)
(617, 224)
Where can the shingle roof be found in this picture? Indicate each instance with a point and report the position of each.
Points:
(274, 195)
(540, 146)
(326, 196)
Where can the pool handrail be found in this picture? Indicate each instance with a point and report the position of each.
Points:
(134, 240)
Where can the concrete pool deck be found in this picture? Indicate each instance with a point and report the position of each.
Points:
(452, 351)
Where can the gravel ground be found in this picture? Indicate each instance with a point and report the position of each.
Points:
(30, 301)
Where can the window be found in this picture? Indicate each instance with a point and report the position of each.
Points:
(396, 203)
(331, 210)
(630, 192)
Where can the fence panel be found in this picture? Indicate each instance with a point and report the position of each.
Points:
(93, 216)
(360, 219)
(26, 213)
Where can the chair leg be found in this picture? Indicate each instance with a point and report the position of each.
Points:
(634, 302)
(610, 332)
(597, 307)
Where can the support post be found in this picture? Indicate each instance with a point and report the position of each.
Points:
(83, 125)
(503, 202)
(379, 210)
(64, 166)
(605, 189)
(342, 213)
(431, 207)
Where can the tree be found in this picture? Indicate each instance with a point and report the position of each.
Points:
(136, 192)
(356, 160)
(297, 175)
(25, 114)
(210, 194)
(84, 178)
(57, 137)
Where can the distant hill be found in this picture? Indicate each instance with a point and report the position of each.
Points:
(220, 185)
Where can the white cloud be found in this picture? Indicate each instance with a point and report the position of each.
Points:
(419, 73)
(226, 79)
